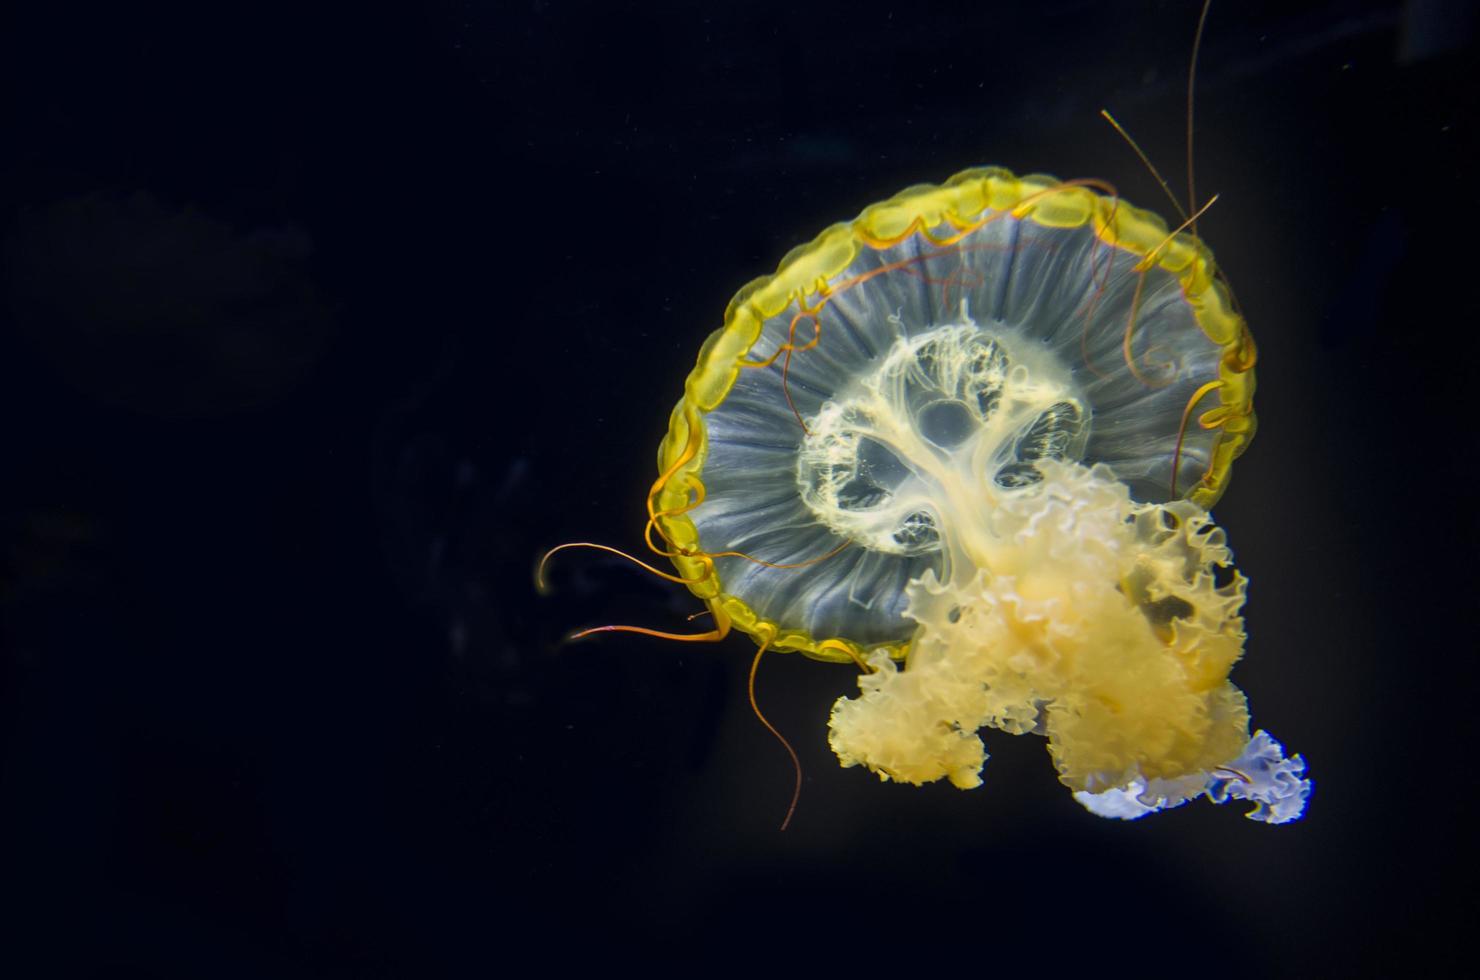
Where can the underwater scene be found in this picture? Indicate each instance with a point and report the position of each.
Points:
(507, 485)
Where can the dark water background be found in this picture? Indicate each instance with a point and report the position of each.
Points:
(320, 323)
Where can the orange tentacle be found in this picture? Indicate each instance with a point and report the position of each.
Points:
(1197, 396)
(796, 763)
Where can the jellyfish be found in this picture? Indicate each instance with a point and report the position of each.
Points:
(968, 443)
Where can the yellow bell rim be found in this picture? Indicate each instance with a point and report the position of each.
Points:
(961, 204)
